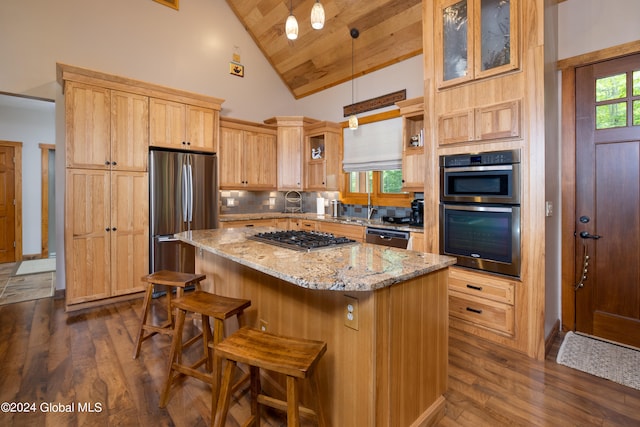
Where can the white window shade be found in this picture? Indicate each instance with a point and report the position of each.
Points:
(374, 146)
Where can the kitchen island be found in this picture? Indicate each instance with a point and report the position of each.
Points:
(386, 364)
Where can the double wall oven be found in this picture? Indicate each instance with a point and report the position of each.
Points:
(480, 210)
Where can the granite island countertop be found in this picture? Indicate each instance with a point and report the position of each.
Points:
(354, 267)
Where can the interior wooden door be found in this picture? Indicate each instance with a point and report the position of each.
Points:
(7, 205)
(607, 219)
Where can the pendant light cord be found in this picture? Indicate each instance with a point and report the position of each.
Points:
(352, 55)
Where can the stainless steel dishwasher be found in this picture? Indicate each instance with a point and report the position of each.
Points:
(387, 237)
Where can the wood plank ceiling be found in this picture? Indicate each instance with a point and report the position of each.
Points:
(390, 31)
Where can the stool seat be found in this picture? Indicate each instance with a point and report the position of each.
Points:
(208, 306)
(212, 305)
(294, 357)
(172, 279)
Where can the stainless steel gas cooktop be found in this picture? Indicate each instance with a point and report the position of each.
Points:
(301, 240)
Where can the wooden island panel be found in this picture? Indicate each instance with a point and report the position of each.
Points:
(390, 371)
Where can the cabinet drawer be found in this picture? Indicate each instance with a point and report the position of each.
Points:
(307, 225)
(482, 312)
(248, 223)
(482, 285)
(355, 232)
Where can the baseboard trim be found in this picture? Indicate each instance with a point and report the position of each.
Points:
(548, 343)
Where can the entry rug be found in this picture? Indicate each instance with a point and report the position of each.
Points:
(600, 358)
(27, 287)
(36, 266)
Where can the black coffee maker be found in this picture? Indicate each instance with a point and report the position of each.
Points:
(417, 212)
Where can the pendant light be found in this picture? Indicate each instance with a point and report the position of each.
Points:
(317, 16)
(291, 26)
(353, 120)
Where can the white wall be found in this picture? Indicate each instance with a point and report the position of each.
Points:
(188, 49)
(32, 123)
(327, 105)
(553, 265)
(590, 25)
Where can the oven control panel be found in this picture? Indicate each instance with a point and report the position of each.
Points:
(481, 159)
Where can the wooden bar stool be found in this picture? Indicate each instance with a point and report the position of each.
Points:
(294, 357)
(172, 279)
(208, 306)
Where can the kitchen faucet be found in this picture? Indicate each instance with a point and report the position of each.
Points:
(370, 211)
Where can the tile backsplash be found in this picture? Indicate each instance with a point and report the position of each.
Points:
(242, 202)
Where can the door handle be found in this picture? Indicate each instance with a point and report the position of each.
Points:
(586, 235)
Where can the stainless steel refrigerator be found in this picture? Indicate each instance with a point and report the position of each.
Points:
(183, 196)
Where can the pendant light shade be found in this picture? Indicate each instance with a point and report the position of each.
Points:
(291, 26)
(317, 16)
(353, 122)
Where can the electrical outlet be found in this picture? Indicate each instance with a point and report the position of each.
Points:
(351, 312)
(263, 325)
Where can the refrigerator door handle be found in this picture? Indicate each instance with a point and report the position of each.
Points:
(185, 195)
(166, 239)
(190, 201)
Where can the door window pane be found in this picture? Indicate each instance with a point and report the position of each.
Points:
(636, 113)
(496, 37)
(611, 115)
(455, 40)
(612, 87)
(636, 83)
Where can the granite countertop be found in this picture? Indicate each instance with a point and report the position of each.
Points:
(354, 267)
(327, 218)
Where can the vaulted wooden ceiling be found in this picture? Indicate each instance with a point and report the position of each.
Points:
(390, 31)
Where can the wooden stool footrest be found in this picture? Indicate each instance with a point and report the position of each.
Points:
(272, 402)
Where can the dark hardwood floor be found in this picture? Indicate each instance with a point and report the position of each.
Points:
(49, 357)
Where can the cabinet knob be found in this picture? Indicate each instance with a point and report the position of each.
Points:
(107, 162)
(113, 229)
(107, 229)
(114, 163)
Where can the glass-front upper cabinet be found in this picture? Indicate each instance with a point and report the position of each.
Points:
(475, 39)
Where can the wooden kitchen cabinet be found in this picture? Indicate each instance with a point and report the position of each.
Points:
(417, 242)
(107, 234)
(290, 142)
(483, 123)
(413, 157)
(299, 224)
(322, 167)
(355, 232)
(247, 156)
(182, 126)
(475, 39)
(106, 216)
(106, 129)
(483, 300)
(241, 223)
